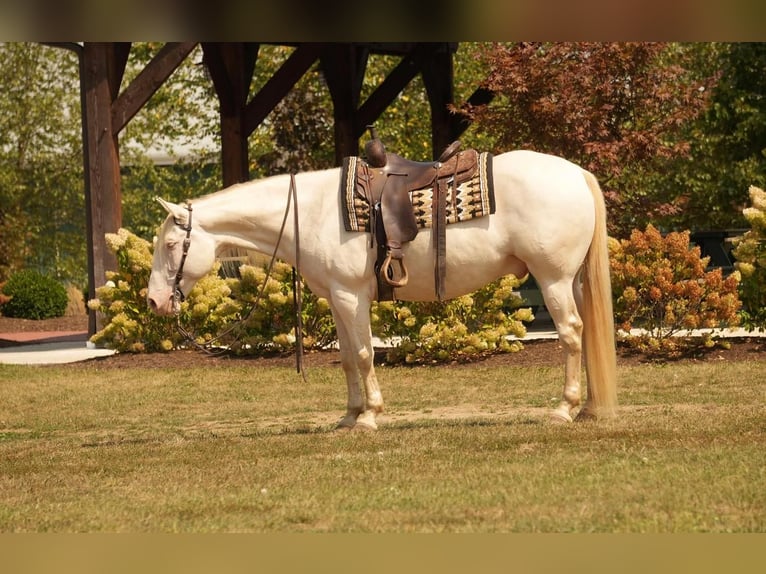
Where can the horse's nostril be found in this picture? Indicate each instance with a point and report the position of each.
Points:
(152, 304)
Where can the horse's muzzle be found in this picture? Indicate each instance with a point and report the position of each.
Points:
(162, 305)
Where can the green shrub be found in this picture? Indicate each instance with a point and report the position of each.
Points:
(750, 252)
(34, 296)
(660, 285)
(457, 330)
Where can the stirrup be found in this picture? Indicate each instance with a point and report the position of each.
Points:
(384, 273)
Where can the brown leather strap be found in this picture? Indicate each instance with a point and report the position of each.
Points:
(440, 237)
(385, 289)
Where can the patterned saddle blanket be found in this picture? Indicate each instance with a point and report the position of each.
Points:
(472, 197)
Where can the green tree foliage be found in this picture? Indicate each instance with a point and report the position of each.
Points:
(298, 134)
(41, 176)
(728, 151)
(170, 147)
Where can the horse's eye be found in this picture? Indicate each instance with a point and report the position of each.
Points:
(170, 245)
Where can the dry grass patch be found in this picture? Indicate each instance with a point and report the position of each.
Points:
(459, 450)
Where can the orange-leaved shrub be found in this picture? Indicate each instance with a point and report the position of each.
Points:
(662, 292)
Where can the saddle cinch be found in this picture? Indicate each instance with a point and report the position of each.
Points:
(387, 181)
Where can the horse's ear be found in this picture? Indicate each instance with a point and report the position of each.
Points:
(178, 212)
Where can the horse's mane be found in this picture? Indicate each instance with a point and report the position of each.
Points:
(261, 180)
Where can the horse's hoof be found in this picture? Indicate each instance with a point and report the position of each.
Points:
(560, 418)
(346, 423)
(585, 415)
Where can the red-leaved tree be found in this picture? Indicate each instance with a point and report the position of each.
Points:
(620, 110)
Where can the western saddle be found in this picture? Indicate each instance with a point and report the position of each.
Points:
(387, 181)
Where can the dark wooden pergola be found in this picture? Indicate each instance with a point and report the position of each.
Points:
(107, 108)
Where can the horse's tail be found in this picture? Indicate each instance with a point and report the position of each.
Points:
(597, 315)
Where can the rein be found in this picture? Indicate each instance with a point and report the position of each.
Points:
(178, 295)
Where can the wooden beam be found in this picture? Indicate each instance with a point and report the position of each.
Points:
(116, 62)
(216, 67)
(377, 102)
(344, 66)
(231, 66)
(277, 87)
(148, 81)
(458, 123)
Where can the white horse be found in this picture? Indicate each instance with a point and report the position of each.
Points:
(550, 221)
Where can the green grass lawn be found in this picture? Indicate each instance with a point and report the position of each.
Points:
(465, 449)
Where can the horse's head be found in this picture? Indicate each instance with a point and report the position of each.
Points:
(183, 254)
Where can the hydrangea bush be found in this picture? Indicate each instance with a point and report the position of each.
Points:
(457, 330)
(750, 252)
(211, 309)
(660, 284)
(271, 325)
(128, 325)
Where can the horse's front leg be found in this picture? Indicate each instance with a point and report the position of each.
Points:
(352, 318)
(355, 403)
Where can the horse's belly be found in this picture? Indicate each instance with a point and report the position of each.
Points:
(474, 258)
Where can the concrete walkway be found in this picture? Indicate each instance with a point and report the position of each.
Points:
(51, 353)
(40, 348)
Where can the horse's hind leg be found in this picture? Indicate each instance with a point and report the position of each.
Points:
(560, 302)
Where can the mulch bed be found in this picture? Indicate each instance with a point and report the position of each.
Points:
(535, 353)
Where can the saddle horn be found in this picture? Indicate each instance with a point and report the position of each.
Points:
(375, 150)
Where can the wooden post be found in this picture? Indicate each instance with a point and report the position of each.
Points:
(437, 71)
(105, 197)
(344, 66)
(231, 66)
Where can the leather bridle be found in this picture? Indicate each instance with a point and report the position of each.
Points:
(178, 295)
